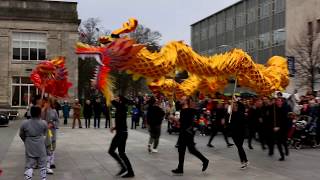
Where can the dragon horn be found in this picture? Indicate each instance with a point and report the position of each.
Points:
(127, 27)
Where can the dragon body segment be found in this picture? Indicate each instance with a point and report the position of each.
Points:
(206, 74)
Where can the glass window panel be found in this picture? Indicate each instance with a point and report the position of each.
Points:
(16, 80)
(25, 36)
(33, 44)
(25, 80)
(279, 5)
(33, 54)
(33, 92)
(16, 36)
(251, 15)
(16, 53)
(212, 30)
(229, 25)
(25, 53)
(16, 44)
(25, 44)
(42, 45)
(24, 95)
(15, 95)
(42, 54)
(204, 34)
(265, 10)
(264, 40)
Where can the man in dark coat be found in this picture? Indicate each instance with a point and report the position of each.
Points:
(186, 136)
(97, 109)
(279, 125)
(155, 116)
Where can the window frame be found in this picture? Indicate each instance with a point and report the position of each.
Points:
(20, 40)
(20, 85)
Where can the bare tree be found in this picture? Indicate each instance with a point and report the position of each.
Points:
(145, 35)
(307, 60)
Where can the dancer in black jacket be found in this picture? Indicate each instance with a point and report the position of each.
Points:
(186, 136)
(120, 139)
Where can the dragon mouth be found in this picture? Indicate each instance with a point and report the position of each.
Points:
(95, 56)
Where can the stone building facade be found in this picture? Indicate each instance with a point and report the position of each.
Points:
(32, 31)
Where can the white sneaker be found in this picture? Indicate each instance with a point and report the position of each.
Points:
(244, 165)
(49, 171)
(154, 150)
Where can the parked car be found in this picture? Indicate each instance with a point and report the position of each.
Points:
(4, 120)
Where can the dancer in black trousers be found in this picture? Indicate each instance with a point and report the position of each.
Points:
(186, 136)
(279, 131)
(120, 139)
(238, 129)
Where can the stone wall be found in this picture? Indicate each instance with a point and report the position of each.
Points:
(62, 35)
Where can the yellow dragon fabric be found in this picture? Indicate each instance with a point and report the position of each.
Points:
(206, 74)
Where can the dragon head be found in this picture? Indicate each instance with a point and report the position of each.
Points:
(100, 53)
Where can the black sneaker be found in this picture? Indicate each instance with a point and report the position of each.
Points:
(281, 159)
(210, 145)
(250, 147)
(122, 171)
(128, 175)
(205, 165)
(52, 166)
(177, 172)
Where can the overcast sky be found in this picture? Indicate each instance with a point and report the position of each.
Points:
(172, 18)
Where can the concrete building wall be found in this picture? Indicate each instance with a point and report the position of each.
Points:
(298, 14)
(61, 36)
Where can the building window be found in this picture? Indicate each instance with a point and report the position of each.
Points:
(204, 33)
(240, 19)
(195, 35)
(252, 44)
(318, 26)
(220, 27)
(265, 10)
(278, 37)
(229, 24)
(22, 90)
(29, 46)
(212, 30)
(310, 28)
(241, 45)
(279, 5)
(264, 40)
(251, 15)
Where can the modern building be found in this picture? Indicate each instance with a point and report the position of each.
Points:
(263, 28)
(32, 31)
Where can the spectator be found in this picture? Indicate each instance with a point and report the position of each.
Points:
(65, 110)
(87, 112)
(76, 113)
(155, 116)
(97, 109)
(135, 115)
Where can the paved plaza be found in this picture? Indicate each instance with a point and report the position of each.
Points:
(82, 155)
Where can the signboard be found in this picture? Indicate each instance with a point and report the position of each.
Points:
(291, 65)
